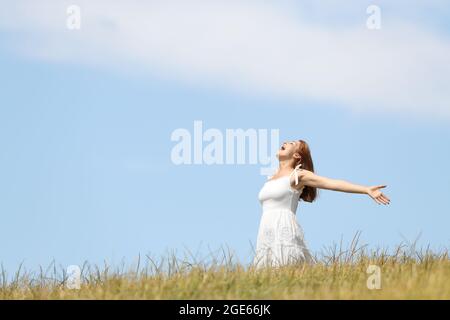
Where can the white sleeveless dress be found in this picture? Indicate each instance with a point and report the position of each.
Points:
(280, 239)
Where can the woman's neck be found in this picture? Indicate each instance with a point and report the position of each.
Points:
(285, 166)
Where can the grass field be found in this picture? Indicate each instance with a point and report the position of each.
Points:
(340, 274)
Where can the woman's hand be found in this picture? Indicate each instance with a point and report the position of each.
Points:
(377, 195)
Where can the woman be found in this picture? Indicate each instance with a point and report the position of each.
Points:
(280, 238)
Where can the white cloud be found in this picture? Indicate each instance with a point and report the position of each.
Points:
(250, 47)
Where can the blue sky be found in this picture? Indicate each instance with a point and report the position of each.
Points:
(86, 118)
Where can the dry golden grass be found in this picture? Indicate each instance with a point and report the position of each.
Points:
(339, 274)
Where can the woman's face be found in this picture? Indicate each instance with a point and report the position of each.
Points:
(288, 149)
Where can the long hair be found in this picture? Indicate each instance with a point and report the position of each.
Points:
(309, 194)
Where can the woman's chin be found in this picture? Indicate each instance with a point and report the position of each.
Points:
(281, 155)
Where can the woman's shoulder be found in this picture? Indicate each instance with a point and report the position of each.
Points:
(298, 179)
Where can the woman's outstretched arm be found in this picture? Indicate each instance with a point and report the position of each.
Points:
(308, 178)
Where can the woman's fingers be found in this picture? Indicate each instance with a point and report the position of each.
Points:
(377, 200)
(386, 198)
(382, 199)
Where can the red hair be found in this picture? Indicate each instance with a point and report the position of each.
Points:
(309, 194)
